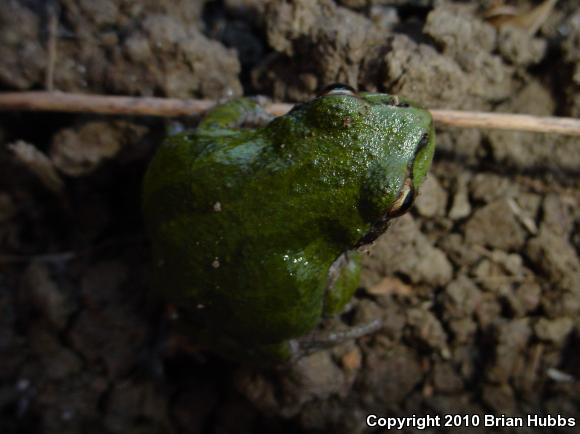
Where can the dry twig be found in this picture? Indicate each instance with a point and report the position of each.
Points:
(52, 12)
(169, 107)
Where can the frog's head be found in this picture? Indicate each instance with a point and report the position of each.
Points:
(392, 140)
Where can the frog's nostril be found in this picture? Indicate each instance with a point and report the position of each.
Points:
(337, 89)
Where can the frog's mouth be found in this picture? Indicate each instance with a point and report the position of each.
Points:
(400, 207)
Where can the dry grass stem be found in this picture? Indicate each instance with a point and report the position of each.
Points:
(170, 107)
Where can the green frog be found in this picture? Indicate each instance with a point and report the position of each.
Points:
(256, 223)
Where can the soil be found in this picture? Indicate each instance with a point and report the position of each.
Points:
(478, 287)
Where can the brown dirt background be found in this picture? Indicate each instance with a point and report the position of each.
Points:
(479, 285)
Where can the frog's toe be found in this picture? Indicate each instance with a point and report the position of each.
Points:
(318, 340)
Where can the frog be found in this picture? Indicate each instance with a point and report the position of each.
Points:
(257, 223)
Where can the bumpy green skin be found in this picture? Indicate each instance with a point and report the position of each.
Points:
(246, 222)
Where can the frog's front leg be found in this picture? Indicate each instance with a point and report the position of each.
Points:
(343, 280)
(237, 113)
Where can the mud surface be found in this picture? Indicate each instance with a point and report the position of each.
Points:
(479, 287)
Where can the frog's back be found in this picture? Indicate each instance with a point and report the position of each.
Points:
(234, 238)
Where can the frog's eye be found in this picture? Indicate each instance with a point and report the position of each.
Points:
(338, 89)
(404, 201)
